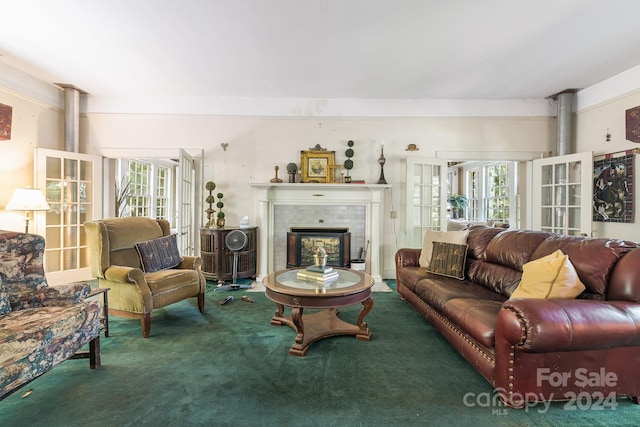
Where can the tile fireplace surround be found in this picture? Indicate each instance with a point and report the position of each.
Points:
(370, 197)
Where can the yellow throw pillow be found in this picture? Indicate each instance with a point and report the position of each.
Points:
(457, 237)
(552, 276)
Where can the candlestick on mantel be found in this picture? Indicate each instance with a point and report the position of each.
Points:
(381, 161)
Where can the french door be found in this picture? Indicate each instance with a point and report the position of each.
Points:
(185, 220)
(72, 185)
(562, 194)
(426, 198)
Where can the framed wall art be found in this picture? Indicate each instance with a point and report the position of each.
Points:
(5, 121)
(613, 187)
(314, 165)
(632, 124)
(336, 173)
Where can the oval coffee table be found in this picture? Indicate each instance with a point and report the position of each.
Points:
(351, 287)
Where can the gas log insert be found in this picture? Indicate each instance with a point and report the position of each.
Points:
(302, 243)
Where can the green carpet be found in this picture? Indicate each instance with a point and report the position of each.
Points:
(230, 367)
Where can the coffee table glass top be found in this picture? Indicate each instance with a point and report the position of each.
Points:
(348, 281)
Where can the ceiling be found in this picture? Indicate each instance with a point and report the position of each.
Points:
(370, 49)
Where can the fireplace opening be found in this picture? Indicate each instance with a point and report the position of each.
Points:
(303, 241)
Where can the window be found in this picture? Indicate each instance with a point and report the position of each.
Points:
(474, 196)
(491, 189)
(162, 193)
(497, 197)
(139, 200)
(149, 187)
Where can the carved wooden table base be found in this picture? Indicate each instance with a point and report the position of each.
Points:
(321, 324)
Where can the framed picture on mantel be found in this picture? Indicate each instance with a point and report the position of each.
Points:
(314, 165)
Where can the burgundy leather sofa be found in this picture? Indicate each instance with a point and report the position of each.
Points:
(537, 350)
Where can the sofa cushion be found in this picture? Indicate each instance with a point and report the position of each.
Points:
(552, 276)
(171, 285)
(163, 280)
(437, 291)
(35, 340)
(12, 268)
(159, 254)
(514, 248)
(593, 258)
(5, 307)
(458, 237)
(498, 278)
(448, 259)
(478, 318)
(410, 276)
(478, 240)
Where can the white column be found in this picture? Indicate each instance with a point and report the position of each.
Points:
(375, 231)
(264, 221)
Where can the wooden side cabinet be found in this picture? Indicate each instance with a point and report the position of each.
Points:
(217, 259)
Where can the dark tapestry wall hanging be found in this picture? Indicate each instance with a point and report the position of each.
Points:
(613, 187)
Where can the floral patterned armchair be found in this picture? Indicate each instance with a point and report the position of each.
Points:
(40, 325)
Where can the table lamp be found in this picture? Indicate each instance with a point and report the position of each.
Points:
(27, 199)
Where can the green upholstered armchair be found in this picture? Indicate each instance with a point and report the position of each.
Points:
(116, 263)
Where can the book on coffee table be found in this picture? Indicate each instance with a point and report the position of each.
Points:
(317, 277)
(324, 269)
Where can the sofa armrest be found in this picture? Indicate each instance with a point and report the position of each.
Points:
(67, 294)
(23, 296)
(408, 257)
(132, 276)
(190, 263)
(552, 325)
(122, 274)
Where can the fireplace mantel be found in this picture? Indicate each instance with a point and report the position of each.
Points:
(369, 195)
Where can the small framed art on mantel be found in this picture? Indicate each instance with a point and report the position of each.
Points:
(314, 165)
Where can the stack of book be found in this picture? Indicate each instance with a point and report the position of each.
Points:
(322, 275)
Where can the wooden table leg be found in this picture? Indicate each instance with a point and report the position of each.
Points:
(365, 333)
(105, 302)
(278, 318)
(298, 323)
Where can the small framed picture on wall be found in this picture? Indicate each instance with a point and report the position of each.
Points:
(6, 112)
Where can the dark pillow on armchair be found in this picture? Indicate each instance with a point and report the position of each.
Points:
(159, 254)
(448, 259)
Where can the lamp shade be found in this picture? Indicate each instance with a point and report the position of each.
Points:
(27, 199)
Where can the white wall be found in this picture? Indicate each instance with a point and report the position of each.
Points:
(257, 144)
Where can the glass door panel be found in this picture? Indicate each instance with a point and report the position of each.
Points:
(562, 194)
(72, 183)
(426, 191)
(186, 200)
